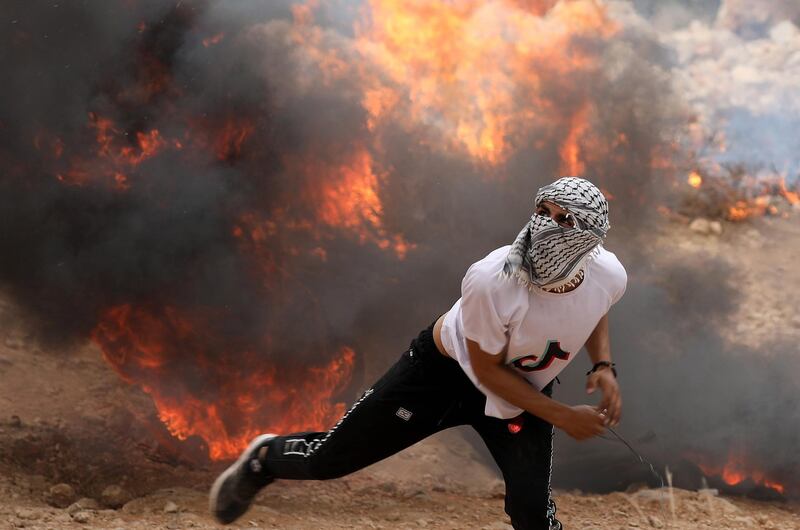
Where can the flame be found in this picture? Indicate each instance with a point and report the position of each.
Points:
(792, 196)
(743, 209)
(231, 137)
(694, 180)
(230, 403)
(736, 470)
(347, 197)
(460, 68)
(114, 155)
(213, 40)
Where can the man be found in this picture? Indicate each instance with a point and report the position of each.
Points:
(526, 309)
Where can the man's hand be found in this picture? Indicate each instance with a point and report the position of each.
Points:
(582, 422)
(612, 398)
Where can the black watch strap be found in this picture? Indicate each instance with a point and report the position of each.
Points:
(603, 364)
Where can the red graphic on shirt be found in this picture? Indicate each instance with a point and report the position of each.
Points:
(533, 363)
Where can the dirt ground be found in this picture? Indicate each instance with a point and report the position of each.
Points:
(78, 448)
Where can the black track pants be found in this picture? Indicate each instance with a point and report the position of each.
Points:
(424, 393)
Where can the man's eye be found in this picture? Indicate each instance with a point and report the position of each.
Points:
(565, 220)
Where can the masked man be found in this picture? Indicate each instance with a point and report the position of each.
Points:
(489, 362)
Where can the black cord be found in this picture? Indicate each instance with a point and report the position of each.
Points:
(645, 462)
(641, 459)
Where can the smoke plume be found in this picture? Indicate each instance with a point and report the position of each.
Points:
(231, 194)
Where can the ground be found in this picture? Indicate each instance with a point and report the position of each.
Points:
(67, 419)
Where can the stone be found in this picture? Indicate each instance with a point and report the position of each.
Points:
(170, 507)
(388, 487)
(114, 497)
(655, 522)
(60, 495)
(28, 515)
(83, 504)
(715, 227)
(700, 225)
(81, 517)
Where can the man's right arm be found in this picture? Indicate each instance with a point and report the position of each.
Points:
(580, 422)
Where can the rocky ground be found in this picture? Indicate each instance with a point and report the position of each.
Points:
(78, 448)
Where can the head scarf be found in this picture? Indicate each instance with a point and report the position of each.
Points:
(549, 256)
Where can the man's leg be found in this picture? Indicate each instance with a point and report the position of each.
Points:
(413, 400)
(524, 454)
(409, 403)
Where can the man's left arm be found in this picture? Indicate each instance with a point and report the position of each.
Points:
(599, 348)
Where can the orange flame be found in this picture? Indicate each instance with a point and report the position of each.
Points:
(737, 469)
(214, 39)
(347, 197)
(792, 196)
(250, 395)
(459, 68)
(694, 180)
(229, 141)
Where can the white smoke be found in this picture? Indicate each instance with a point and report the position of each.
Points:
(740, 74)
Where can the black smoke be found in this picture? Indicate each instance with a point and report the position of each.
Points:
(69, 252)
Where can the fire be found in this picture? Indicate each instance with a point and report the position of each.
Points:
(213, 40)
(224, 403)
(459, 68)
(231, 137)
(792, 196)
(737, 469)
(346, 196)
(694, 180)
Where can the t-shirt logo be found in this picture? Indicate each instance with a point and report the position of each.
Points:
(534, 363)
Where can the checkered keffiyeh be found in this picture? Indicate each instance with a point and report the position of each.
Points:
(546, 255)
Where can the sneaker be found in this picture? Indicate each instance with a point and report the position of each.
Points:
(237, 486)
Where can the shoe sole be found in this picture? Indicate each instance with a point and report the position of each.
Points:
(213, 496)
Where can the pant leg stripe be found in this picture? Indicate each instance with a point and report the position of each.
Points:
(290, 446)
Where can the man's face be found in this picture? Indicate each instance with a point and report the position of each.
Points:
(556, 213)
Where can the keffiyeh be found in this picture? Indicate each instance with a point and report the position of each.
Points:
(549, 256)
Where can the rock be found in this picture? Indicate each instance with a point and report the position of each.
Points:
(60, 495)
(700, 225)
(81, 517)
(114, 497)
(26, 514)
(388, 487)
(170, 507)
(420, 494)
(15, 421)
(83, 504)
(655, 522)
(715, 227)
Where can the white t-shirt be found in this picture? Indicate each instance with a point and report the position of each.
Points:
(539, 333)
